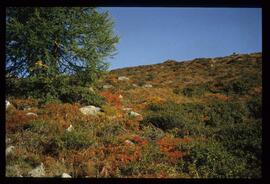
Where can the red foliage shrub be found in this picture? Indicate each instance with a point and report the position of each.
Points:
(168, 146)
(17, 120)
(63, 114)
(137, 139)
(112, 99)
(23, 103)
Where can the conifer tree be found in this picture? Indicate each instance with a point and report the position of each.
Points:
(48, 41)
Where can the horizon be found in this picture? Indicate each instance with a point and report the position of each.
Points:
(260, 52)
(182, 34)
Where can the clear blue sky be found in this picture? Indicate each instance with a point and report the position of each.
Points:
(153, 35)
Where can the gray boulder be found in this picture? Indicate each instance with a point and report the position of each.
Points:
(39, 171)
(90, 110)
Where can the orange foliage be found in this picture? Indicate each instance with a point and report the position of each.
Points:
(132, 124)
(169, 144)
(22, 103)
(217, 96)
(63, 114)
(112, 99)
(18, 120)
(139, 140)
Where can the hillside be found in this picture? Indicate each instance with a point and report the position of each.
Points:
(189, 119)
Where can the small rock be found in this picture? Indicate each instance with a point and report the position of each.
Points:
(104, 172)
(8, 140)
(213, 60)
(31, 114)
(134, 114)
(27, 108)
(121, 78)
(8, 104)
(39, 171)
(212, 65)
(147, 85)
(70, 128)
(65, 175)
(128, 142)
(127, 109)
(9, 150)
(134, 85)
(120, 96)
(91, 89)
(90, 110)
(107, 86)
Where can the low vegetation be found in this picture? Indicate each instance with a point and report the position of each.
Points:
(198, 121)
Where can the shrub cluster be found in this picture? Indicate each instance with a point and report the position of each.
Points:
(209, 159)
(197, 90)
(58, 89)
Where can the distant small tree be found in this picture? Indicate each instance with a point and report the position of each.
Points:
(53, 40)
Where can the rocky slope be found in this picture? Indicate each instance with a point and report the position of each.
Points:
(191, 119)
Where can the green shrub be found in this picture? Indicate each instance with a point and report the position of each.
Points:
(165, 120)
(197, 90)
(210, 160)
(177, 91)
(188, 92)
(75, 140)
(58, 89)
(80, 95)
(225, 113)
(255, 107)
(170, 115)
(244, 141)
(38, 127)
(239, 86)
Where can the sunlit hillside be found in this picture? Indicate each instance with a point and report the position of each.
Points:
(177, 119)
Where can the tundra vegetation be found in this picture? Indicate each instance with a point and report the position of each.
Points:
(199, 118)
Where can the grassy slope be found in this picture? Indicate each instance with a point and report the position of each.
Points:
(197, 98)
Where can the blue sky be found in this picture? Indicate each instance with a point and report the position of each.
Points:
(153, 35)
